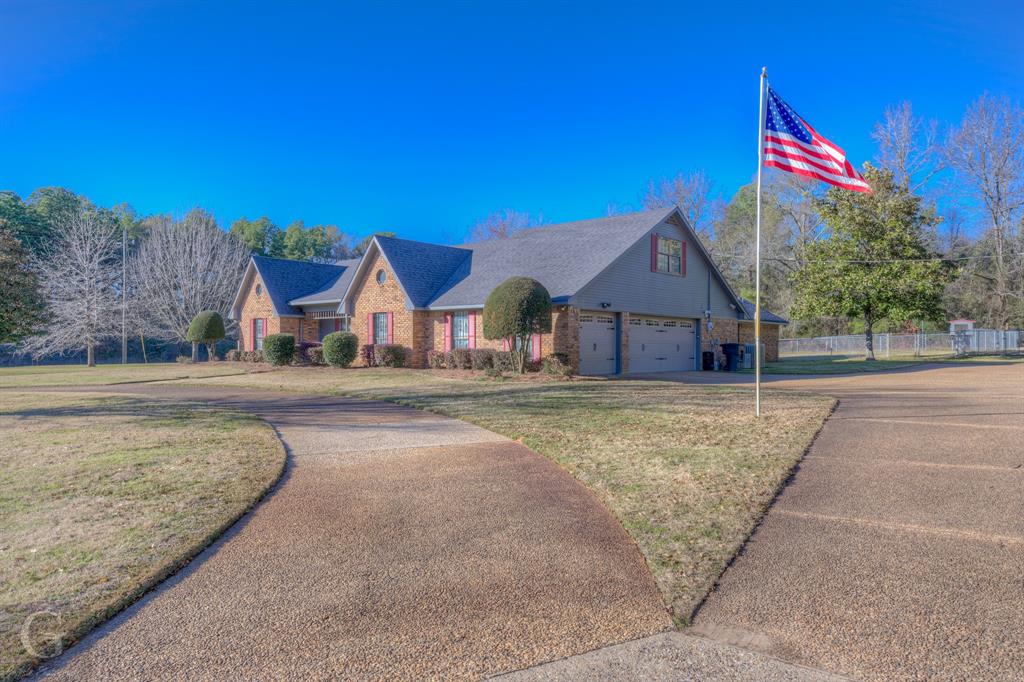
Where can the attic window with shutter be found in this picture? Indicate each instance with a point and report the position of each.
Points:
(259, 289)
(669, 256)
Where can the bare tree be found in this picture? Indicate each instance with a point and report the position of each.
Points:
(182, 268)
(691, 192)
(502, 224)
(908, 146)
(986, 152)
(79, 274)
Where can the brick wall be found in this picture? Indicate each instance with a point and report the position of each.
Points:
(256, 306)
(563, 338)
(371, 297)
(733, 331)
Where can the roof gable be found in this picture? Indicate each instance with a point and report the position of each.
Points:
(421, 268)
(286, 280)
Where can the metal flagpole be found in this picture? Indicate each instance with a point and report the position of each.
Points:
(757, 257)
(124, 295)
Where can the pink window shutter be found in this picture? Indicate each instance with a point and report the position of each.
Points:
(506, 345)
(536, 348)
(369, 329)
(391, 327)
(472, 329)
(682, 269)
(654, 253)
(252, 334)
(447, 331)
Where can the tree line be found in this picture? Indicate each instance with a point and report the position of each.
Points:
(72, 273)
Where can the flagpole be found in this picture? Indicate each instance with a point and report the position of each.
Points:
(757, 257)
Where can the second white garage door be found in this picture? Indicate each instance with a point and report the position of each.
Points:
(658, 344)
(597, 343)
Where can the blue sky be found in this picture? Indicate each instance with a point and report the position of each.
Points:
(422, 118)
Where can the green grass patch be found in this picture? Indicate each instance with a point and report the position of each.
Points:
(80, 375)
(101, 497)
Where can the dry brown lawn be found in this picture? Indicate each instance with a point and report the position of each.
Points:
(101, 497)
(687, 469)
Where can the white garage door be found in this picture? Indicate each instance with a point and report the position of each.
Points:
(659, 344)
(597, 343)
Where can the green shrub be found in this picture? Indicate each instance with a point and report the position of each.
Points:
(517, 309)
(503, 361)
(556, 364)
(481, 358)
(279, 349)
(340, 348)
(207, 328)
(389, 355)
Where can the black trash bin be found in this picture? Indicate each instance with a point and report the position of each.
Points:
(707, 360)
(732, 356)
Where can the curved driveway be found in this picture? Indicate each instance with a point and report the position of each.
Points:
(399, 545)
(897, 550)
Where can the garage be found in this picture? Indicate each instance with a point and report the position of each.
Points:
(598, 343)
(661, 344)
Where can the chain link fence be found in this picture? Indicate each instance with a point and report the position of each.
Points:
(974, 341)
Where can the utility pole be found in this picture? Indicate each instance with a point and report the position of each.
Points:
(124, 294)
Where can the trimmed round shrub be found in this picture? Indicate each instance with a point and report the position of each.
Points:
(340, 348)
(207, 328)
(279, 349)
(517, 309)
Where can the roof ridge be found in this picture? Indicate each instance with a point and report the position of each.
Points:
(295, 260)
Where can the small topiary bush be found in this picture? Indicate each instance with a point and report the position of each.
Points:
(232, 355)
(481, 358)
(247, 355)
(315, 356)
(207, 328)
(389, 355)
(279, 349)
(503, 361)
(339, 349)
(556, 364)
(461, 359)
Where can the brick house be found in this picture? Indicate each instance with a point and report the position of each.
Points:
(631, 293)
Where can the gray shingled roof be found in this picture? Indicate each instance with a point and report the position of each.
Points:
(422, 268)
(562, 257)
(766, 315)
(286, 280)
(334, 290)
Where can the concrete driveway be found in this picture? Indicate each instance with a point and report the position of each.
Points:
(400, 545)
(897, 550)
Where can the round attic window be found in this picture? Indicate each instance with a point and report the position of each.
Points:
(259, 289)
(381, 276)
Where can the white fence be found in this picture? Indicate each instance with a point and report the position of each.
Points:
(903, 345)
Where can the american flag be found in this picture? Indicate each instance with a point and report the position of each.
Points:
(793, 145)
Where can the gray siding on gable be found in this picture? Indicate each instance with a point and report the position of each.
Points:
(629, 285)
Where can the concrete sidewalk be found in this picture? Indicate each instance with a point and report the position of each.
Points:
(897, 550)
(400, 545)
